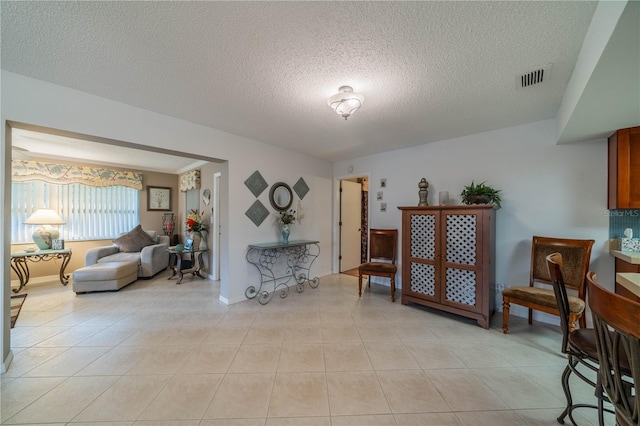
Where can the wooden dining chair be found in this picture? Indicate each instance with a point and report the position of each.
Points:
(576, 255)
(579, 346)
(616, 320)
(383, 247)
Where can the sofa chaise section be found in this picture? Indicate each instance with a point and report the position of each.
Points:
(150, 259)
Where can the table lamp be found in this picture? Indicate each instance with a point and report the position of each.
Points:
(43, 235)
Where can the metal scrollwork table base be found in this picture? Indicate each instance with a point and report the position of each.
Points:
(21, 268)
(297, 258)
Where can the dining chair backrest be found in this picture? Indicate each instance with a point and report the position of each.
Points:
(575, 261)
(383, 244)
(554, 264)
(616, 320)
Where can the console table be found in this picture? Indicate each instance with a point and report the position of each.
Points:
(21, 267)
(297, 258)
(176, 263)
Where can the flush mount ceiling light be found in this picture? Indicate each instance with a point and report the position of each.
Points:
(345, 102)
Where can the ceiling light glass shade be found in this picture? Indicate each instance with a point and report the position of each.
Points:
(44, 235)
(345, 102)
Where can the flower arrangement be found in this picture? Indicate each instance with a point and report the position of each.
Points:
(195, 222)
(287, 216)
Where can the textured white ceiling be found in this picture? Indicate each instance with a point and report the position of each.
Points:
(428, 70)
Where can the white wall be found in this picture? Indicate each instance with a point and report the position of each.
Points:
(547, 189)
(39, 103)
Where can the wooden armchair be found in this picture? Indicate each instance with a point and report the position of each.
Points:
(576, 255)
(383, 246)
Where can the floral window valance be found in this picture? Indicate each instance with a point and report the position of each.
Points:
(61, 174)
(190, 180)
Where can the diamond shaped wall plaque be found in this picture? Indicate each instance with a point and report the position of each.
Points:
(257, 213)
(301, 188)
(256, 183)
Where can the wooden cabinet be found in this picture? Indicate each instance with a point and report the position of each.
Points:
(448, 259)
(624, 169)
(626, 262)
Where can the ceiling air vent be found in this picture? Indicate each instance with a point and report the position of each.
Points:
(537, 76)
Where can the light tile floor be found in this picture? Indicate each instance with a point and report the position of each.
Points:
(155, 353)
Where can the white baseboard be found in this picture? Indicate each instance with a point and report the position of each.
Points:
(6, 362)
(47, 279)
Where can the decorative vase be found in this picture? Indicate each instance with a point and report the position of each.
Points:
(285, 233)
(197, 237)
(443, 198)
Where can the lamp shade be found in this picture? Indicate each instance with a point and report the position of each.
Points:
(345, 102)
(45, 217)
(44, 235)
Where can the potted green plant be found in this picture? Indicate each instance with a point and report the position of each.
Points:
(480, 193)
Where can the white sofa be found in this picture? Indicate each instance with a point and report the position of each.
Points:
(150, 260)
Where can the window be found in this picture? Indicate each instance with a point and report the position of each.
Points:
(91, 213)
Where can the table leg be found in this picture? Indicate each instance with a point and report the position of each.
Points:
(172, 264)
(180, 274)
(20, 267)
(66, 258)
(199, 265)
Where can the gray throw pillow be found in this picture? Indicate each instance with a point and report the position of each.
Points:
(133, 241)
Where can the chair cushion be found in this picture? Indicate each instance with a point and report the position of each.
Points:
(583, 341)
(134, 240)
(105, 271)
(542, 297)
(378, 267)
(122, 257)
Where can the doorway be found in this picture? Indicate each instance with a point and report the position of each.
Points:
(353, 224)
(215, 228)
(5, 344)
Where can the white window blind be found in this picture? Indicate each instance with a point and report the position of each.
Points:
(91, 213)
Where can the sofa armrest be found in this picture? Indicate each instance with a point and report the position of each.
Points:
(153, 259)
(93, 254)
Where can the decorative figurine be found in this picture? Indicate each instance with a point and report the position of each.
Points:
(422, 193)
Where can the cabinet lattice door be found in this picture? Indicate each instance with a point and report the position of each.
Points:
(423, 254)
(460, 282)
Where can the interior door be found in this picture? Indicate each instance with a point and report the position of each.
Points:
(351, 218)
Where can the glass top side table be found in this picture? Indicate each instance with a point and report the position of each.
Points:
(175, 262)
(21, 267)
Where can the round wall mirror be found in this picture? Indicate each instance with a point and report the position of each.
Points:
(281, 196)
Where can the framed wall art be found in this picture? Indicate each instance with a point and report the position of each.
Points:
(158, 198)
